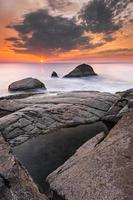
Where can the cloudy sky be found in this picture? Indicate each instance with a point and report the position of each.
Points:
(66, 30)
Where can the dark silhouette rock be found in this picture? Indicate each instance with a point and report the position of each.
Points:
(54, 75)
(26, 84)
(83, 70)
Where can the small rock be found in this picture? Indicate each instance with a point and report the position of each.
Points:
(54, 75)
(26, 84)
(83, 70)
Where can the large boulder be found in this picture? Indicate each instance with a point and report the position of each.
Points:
(54, 75)
(26, 84)
(83, 70)
(100, 169)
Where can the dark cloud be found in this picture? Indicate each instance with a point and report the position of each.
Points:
(103, 16)
(40, 33)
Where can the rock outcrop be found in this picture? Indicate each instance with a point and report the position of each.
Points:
(83, 70)
(40, 114)
(100, 169)
(54, 75)
(26, 84)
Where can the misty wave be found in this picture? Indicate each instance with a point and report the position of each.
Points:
(100, 83)
(112, 77)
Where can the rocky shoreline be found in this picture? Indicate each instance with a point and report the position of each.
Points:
(92, 172)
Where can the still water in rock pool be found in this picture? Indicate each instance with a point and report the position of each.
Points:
(43, 154)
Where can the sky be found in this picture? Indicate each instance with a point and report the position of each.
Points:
(66, 30)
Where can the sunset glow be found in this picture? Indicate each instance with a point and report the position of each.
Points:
(42, 61)
(103, 45)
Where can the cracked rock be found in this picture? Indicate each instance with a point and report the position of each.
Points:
(40, 114)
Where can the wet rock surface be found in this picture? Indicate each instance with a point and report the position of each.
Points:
(26, 84)
(99, 169)
(40, 114)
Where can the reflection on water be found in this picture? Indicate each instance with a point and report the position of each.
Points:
(112, 77)
(44, 154)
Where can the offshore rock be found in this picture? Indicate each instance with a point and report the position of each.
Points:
(83, 70)
(54, 75)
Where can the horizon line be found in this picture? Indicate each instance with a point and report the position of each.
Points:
(65, 62)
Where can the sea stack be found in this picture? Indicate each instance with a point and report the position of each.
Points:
(54, 75)
(82, 70)
(26, 84)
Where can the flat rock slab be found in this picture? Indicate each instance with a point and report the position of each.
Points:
(100, 169)
(40, 114)
(15, 182)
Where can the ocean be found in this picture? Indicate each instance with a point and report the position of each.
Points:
(112, 77)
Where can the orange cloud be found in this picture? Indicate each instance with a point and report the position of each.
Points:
(117, 48)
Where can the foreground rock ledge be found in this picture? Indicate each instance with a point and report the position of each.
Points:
(99, 170)
(39, 114)
(26, 84)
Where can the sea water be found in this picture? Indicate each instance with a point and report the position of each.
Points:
(111, 77)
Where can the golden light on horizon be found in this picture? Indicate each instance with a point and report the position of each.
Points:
(41, 60)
